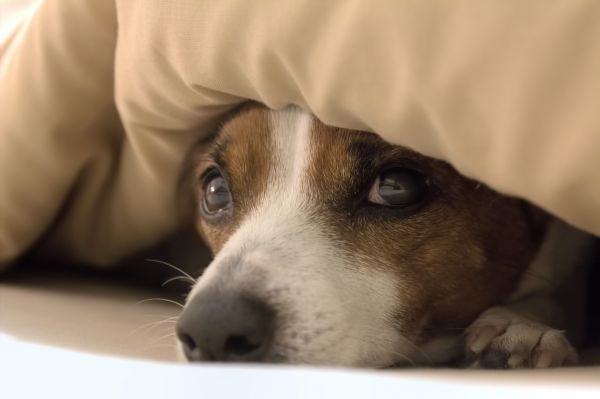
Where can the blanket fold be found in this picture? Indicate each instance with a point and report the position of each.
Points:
(100, 101)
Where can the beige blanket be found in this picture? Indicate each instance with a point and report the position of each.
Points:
(100, 101)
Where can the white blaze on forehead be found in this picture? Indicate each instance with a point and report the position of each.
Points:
(285, 195)
(332, 310)
(291, 133)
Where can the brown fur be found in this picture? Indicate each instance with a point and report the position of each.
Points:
(241, 151)
(459, 254)
(463, 252)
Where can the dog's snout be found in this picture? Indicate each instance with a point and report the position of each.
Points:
(226, 327)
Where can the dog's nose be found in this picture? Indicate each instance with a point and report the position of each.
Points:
(225, 327)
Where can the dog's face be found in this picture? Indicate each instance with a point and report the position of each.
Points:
(335, 247)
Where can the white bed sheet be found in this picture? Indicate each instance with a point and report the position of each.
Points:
(30, 370)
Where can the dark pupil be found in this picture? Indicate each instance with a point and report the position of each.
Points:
(401, 187)
(217, 195)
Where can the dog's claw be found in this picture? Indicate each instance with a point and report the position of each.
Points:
(481, 337)
(502, 339)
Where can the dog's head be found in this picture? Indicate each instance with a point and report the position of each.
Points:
(335, 247)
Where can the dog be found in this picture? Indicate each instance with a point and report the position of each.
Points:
(335, 247)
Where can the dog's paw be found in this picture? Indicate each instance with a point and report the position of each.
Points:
(501, 339)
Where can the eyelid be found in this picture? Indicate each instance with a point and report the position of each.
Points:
(209, 171)
(212, 169)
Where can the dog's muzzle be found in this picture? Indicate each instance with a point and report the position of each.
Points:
(226, 326)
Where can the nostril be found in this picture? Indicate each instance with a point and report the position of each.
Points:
(240, 345)
(188, 342)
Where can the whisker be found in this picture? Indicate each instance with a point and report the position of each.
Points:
(162, 316)
(193, 280)
(160, 299)
(407, 358)
(177, 278)
(149, 348)
(157, 340)
(533, 273)
(148, 327)
(420, 351)
(399, 353)
(445, 329)
(540, 276)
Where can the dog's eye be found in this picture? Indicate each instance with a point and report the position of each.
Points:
(217, 196)
(398, 187)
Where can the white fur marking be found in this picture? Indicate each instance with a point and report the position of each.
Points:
(331, 312)
(291, 133)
